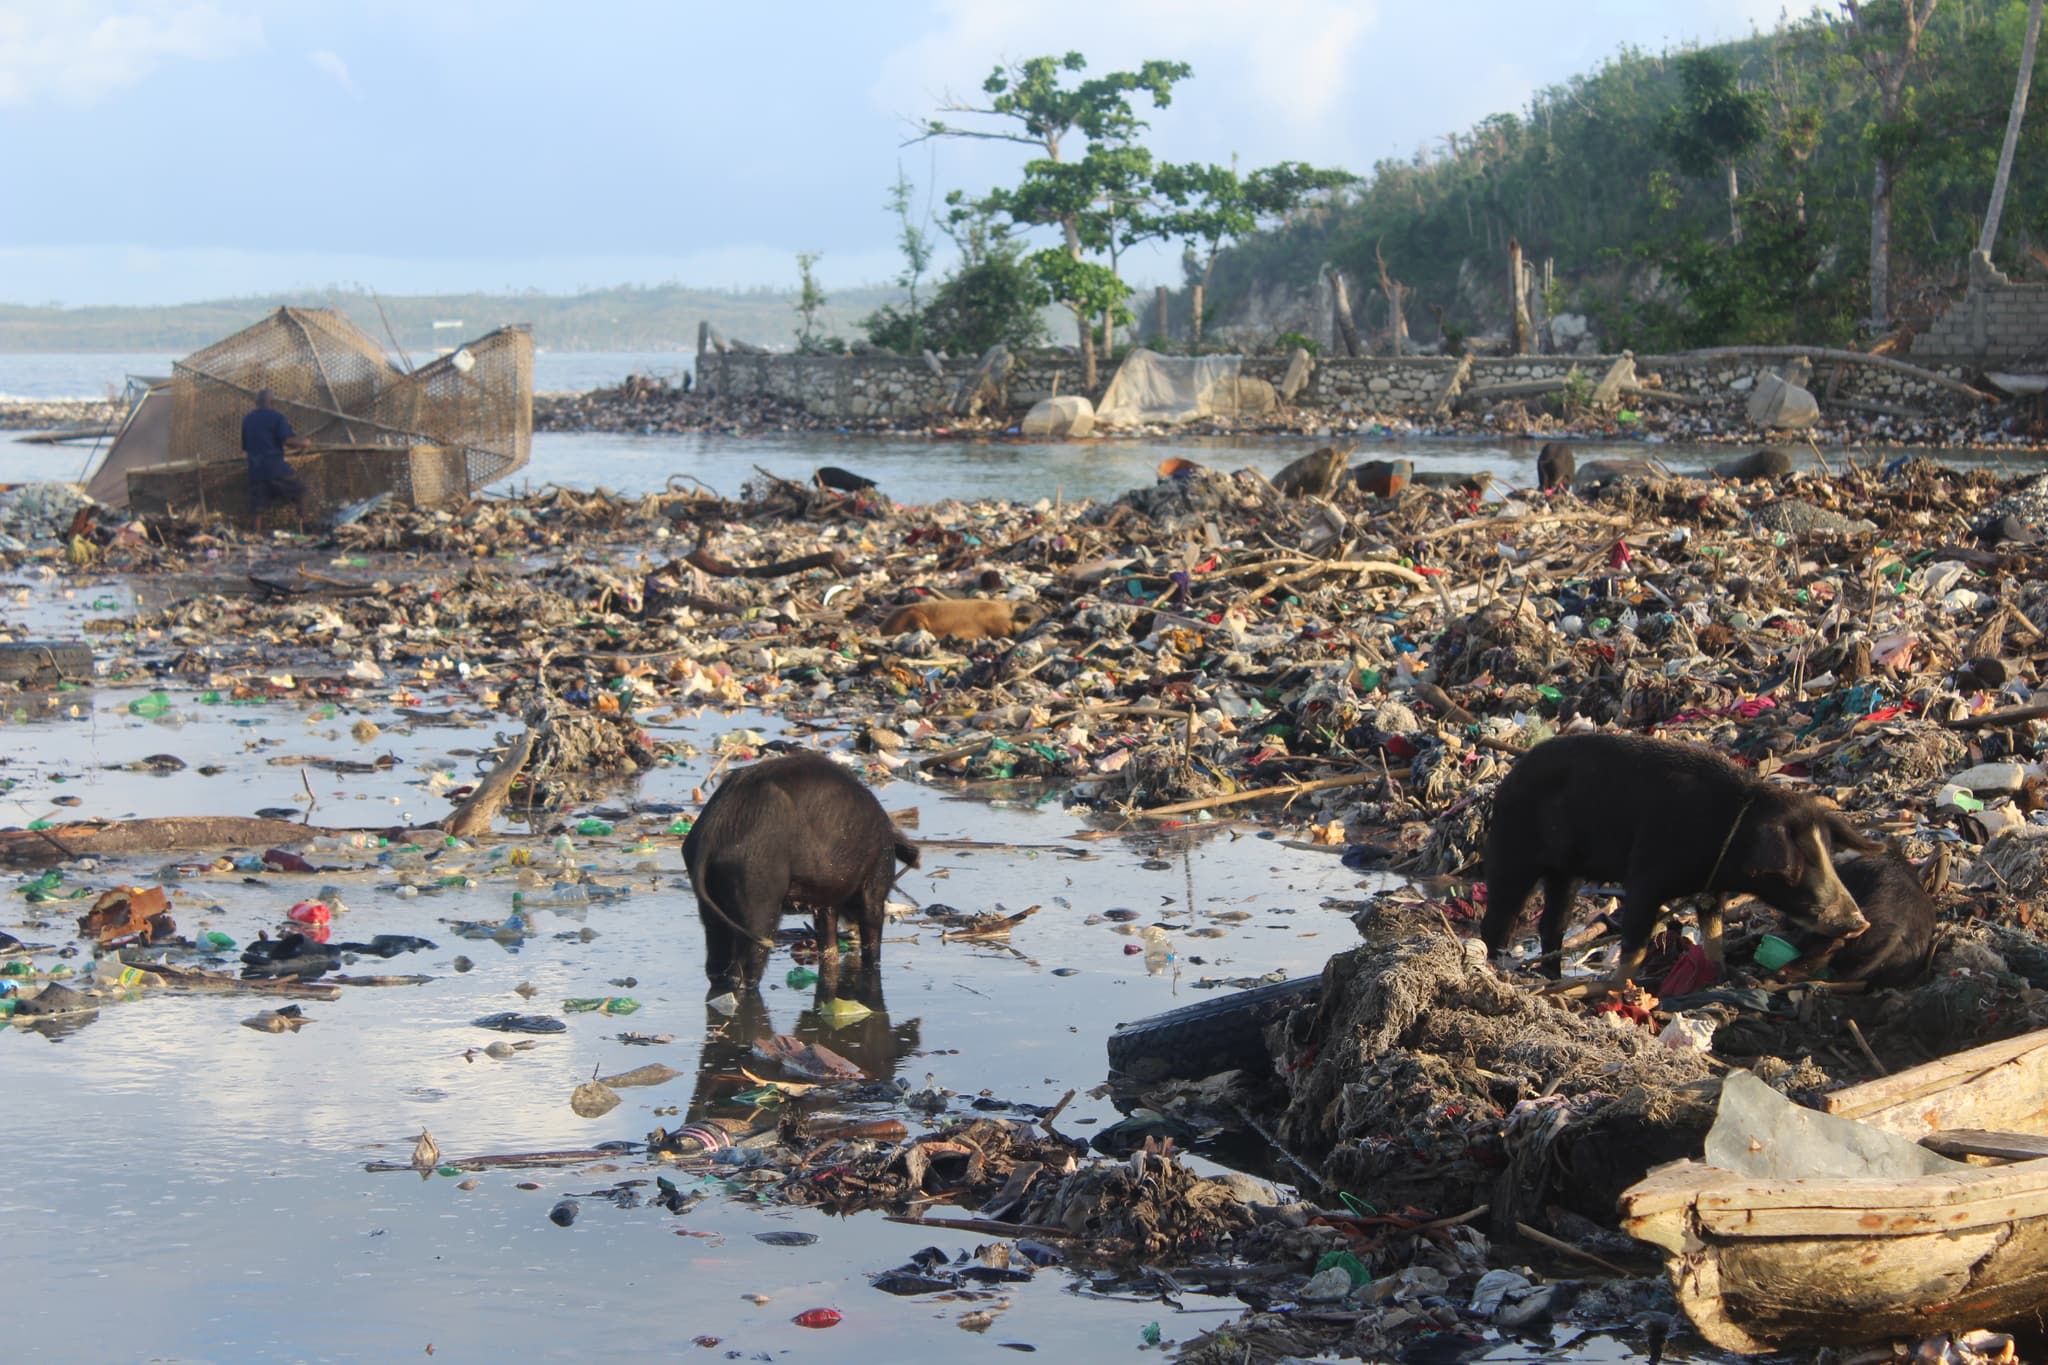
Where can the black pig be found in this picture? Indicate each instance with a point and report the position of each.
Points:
(794, 832)
(1555, 466)
(1666, 820)
(1896, 949)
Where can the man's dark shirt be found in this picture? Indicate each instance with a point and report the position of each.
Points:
(264, 433)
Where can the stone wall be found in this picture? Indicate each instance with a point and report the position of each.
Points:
(892, 388)
(1996, 320)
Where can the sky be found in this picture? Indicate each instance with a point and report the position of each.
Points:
(162, 151)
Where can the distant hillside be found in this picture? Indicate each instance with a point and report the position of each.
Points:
(661, 318)
(1588, 177)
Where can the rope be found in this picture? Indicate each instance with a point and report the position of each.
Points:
(1728, 842)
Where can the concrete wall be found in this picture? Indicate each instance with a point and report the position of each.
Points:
(1996, 320)
(891, 388)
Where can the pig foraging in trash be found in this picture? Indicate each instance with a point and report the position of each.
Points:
(794, 832)
(1898, 947)
(1666, 820)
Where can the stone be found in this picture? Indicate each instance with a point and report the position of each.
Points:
(1067, 415)
(1779, 403)
(1567, 329)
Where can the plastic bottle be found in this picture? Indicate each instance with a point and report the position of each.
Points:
(1158, 950)
(646, 857)
(155, 704)
(335, 843)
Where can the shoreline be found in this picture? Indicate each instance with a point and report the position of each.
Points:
(642, 407)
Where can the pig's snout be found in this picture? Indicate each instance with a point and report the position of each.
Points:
(1843, 919)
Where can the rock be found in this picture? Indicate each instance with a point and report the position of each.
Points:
(1780, 403)
(1067, 415)
(1568, 329)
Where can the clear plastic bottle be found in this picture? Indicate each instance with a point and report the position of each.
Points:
(337, 843)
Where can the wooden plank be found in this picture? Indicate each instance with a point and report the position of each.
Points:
(2001, 1086)
(1622, 372)
(1962, 1142)
(1887, 1222)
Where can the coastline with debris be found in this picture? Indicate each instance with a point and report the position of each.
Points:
(1223, 655)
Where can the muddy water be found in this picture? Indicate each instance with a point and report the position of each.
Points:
(209, 1178)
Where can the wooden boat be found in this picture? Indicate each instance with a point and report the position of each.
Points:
(1762, 1265)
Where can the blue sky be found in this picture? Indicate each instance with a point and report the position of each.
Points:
(163, 150)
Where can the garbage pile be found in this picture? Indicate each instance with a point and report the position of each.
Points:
(1359, 671)
(651, 405)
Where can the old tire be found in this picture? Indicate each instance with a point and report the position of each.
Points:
(1226, 1034)
(44, 663)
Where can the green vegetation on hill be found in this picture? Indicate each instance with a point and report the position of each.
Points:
(1623, 179)
(659, 318)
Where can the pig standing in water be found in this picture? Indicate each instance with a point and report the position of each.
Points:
(1666, 820)
(793, 832)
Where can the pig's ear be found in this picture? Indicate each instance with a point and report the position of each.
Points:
(1772, 853)
(1841, 834)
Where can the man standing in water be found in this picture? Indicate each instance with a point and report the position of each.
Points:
(266, 436)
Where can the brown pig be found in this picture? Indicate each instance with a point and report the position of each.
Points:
(972, 618)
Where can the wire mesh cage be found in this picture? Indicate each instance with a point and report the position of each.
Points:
(333, 382)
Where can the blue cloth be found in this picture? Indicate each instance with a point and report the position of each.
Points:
(264, 433)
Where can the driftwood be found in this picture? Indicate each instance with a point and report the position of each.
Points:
(507, 1161)
(193, 980)
(474, 816)
(1290, 790)
(1446, 399)
(168, 834)
(1620, 376)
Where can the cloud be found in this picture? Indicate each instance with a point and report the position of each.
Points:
(79, 54)
(1289, 59)
(332, 64)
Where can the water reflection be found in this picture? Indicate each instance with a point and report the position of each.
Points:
(871, 1041)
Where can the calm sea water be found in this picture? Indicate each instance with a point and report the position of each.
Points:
(910, 470)
(98, 375)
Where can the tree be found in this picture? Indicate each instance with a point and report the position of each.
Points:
(916, 244)
(810, 301)
(1029, 104)
(1989, 235)
(991, 298)
(1213, 206)
(1714, 124)
(1886, 35)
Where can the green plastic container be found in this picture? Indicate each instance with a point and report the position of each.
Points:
(1774, 952)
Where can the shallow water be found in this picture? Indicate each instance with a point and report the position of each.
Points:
(210, 1176)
